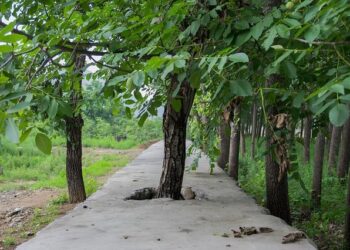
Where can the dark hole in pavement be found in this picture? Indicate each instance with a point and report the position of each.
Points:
(149, 193)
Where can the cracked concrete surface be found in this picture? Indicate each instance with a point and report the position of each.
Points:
(109, 222)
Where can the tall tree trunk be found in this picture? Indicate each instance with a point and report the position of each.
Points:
(224, 133)
(174, 127)
(301, 129)
(254, 121)
(74, 125)
(277, 200)
(317, 175)
(344, 156)
(235, 143)
(307, 138)
(333, 149)
(242, 142)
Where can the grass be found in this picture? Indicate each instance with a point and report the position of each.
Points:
(323, 226)
(25, 167)
(103, 142)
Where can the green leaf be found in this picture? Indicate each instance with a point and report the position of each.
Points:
(25, 134)
(138, 78)
(142, 120)
(5, 48)
(195, 79)
(339, 114)
(176, 104)
(180, 63)
(243, 38)
(212, 62)
(12, 38)
(43, 143)
(257, 30)
(65, 109)
(312, 33)
(18, 107)
(283, 31)
(241, 87)
(298, 100)
(195, 26)
(239, 58)
(167, 70)
(11, 131)
(270, 38)
(53, 108)
(7, 28)
(222, 63)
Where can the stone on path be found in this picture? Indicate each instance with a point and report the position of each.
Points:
(110, 222)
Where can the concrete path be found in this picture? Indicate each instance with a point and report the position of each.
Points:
(109, 222)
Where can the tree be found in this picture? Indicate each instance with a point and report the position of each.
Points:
(235, 139)
(344, 157)
(74, 125)
(224, 134)
(307, 137)
(317, 173)
(333, 148)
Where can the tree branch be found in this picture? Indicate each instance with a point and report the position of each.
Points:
(324, 42)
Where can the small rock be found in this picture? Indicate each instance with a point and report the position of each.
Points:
(125, 236)
(158, 239)
(228, 245)
(17, 210)
(29, 234)
(187, 193)
(85, 206)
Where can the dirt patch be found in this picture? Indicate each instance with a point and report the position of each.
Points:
(26, 198)
(99, 152)
(17, 209)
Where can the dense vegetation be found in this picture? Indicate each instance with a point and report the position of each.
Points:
(275, 69)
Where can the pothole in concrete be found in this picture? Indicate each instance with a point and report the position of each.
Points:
(149, 193)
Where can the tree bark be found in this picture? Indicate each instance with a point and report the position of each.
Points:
(74, 125)
(235, 143)
(307, 138)
(344, 156)
(277, 200)
(174, 127)
(317, 175)
(254, 121)
(224, 133)
(242, 142)
(333, 148)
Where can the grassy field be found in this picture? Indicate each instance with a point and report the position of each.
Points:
(323, 226)
(25, 167)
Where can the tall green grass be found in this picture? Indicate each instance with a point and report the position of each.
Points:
(315, 224)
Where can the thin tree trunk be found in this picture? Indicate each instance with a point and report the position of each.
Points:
(277, 200)
(254, 121)
(224, 132)
(333, 149)
(235, 143)
(307, 138)
(242, 142)
(301, 129)
(317, 175)
(174, 127)
(74, 125)
(344, 156)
